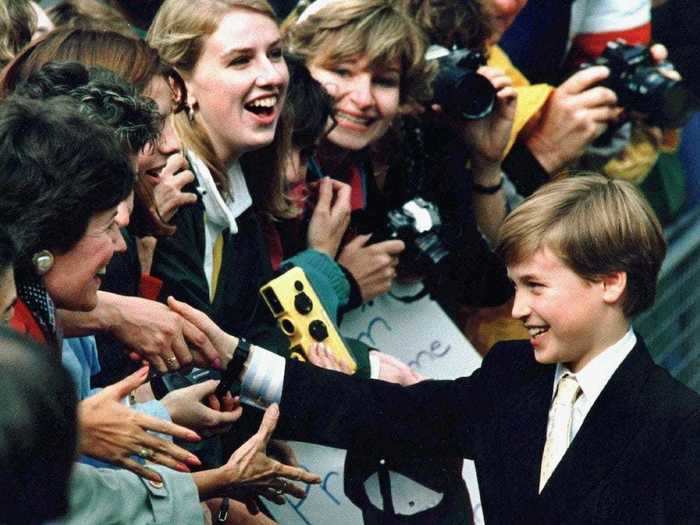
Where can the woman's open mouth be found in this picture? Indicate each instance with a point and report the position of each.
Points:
(263, 107)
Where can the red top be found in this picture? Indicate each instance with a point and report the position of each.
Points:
(23, 322)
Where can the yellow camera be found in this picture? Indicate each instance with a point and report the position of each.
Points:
(302, 317)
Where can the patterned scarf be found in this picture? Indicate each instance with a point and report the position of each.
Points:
(33, 294)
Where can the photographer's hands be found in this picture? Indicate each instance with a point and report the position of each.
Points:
(373, 266)
(488, 137)
(576, 114)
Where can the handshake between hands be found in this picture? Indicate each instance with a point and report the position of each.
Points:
(113, 432)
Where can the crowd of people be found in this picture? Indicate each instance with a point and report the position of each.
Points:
(161, 161)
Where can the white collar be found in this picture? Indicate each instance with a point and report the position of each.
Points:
(593, 377)
(222, 211)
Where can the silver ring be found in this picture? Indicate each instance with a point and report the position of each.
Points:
(278, 492)
(145, 453)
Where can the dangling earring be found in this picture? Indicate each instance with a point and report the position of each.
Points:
(42, 261)
(190, 113)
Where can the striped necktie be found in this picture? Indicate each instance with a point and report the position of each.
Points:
(559, 434)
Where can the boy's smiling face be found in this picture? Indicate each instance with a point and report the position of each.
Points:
(570, 320)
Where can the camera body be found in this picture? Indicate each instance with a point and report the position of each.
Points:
(641, 86)
(458, 88)
(302, 317)
(417, 223)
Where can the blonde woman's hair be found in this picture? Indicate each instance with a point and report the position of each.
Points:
(178, 33)
(378, 29)
(596, 226)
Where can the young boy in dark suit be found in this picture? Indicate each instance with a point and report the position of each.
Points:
(576, 425)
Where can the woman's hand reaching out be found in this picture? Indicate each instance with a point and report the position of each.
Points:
(113, 432)
(250, 472)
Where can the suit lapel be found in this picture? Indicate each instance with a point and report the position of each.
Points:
(607, 430)
(523, 427)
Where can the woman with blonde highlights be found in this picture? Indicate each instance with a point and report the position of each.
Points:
(392, 144)
(370, 55)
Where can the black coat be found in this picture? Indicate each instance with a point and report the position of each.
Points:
(635, 459)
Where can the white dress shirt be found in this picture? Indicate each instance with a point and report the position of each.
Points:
(592, 378)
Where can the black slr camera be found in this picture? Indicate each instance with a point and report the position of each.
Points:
(458, 88)
(417, 223)
(641, 86)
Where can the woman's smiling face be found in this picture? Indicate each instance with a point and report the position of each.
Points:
(238, 85)
(76, 275)
(366, 99)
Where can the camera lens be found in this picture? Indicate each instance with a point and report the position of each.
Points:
(318, 330)
(288, 327)
(298, 285)
(666, 101)
(303, 304)
(463, 92)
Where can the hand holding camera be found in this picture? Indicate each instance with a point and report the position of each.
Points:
(576, 113)
(646, 84)
(373, 266)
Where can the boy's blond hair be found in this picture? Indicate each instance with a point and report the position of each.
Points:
(596, 226)
(378, 29)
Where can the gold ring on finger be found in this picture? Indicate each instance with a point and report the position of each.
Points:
(145, 453)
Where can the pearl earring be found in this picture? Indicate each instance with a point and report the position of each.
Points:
(43, 261)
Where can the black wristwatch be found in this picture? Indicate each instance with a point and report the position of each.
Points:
(234, 368)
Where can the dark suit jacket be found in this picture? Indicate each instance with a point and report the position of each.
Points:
(636, 458)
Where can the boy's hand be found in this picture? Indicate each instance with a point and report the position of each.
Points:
(222, 343)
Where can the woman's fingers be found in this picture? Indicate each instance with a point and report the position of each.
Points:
(140, 470)
(166, 453)
(123, 388)
(166, 427)
(268, 424)
(297, 474)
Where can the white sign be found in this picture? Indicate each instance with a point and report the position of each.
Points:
(418, 333)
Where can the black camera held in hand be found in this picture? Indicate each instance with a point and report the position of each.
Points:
(458, 88)
(641, 86)
(417, 223)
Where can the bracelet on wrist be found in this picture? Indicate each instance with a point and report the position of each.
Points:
(234, 367)
(488, 190)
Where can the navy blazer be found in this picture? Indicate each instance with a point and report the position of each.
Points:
(635, 459)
